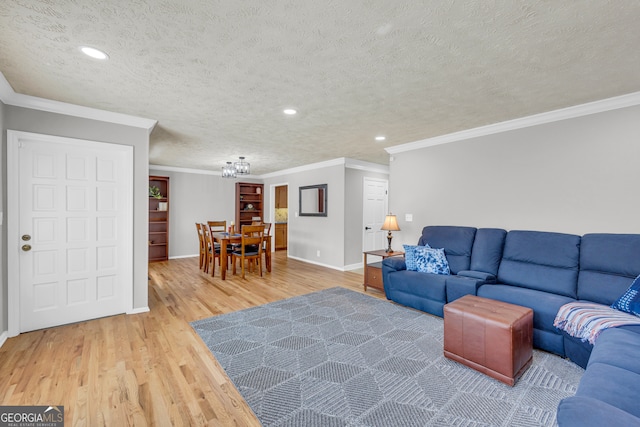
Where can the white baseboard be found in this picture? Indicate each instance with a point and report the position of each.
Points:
(333, 267)
(139, 310)
(355, 266)
(184, 256)
(3, 338)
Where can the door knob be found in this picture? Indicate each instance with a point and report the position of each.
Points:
(367, 228)
(26, 248)
(26, 237)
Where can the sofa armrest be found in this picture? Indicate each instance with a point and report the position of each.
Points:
(394, 264)
(580, 411)
(459, 286)
(389, 266)
(481, 275)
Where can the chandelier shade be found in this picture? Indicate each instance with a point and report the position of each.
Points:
(232, 170)
(242, 167)
(228, 171)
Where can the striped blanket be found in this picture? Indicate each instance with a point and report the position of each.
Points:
(586, 320)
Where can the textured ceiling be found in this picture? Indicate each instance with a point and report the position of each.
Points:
(217, 74)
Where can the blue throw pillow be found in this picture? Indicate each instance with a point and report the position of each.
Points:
(410, 256)
(432, 261)
(629, 302)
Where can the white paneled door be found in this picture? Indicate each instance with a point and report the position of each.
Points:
(374, 211)
(73, 230)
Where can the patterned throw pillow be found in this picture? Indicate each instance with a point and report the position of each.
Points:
(432, 261)
(629, 302)
(410, 256)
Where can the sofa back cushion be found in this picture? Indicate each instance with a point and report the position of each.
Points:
(487, 250)
(456, 242)
(541, 260)
(608, 265)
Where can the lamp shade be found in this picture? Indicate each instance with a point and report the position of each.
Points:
(390, 223)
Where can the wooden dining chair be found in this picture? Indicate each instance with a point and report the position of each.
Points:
(221, 227)
(265, 251)
(212, 253)
(203, 247)
(217, 226)
(250, 248)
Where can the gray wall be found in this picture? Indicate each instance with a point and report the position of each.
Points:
(575, 176)
(338, 236)
(307, 235)
(27, 120)
(195, 198)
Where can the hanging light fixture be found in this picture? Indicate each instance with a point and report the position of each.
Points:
(228, 171)
(242, 167)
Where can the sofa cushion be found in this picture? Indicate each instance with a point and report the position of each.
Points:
(456, 242)
(617, 347)
(613, 385)
(423, 285)
(542, 261)
(608, 265)
(545, 305)
(430, 260)
(411, 257)
(487, 250)
(629, 302)
(578, 411)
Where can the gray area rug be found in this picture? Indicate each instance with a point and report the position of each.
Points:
(340, 358)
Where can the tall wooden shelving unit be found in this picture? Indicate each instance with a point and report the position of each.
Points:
(249, 203)
(159, 220)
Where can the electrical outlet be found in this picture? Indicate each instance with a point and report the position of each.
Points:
(408, 217)
(318, 254)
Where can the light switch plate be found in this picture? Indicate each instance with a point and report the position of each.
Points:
(408, 217)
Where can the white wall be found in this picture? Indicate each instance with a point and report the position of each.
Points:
(576, 176)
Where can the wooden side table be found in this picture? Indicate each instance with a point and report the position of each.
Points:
(373, 272)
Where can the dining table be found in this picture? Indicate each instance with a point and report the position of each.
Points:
(225, 239)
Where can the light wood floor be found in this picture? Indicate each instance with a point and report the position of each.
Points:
(152, 368)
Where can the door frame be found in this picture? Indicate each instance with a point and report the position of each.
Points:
(272, 213)
(364, 199)
(13, 219)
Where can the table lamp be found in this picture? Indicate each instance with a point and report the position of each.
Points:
(390, 224)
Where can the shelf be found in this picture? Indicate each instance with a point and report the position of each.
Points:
(249, 193)
(159, 220)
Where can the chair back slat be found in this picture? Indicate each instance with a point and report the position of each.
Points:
(216, 226)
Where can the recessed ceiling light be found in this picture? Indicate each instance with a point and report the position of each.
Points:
(290, 111)
(380, 138)
(94, 53)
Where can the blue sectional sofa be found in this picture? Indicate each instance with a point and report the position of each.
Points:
(543, 271)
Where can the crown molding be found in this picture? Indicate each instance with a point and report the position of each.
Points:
(623, 101)
(309, 167)
(366, 166)
(185, 170)
(10, 97)
(340, 161)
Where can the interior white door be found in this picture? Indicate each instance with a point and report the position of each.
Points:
(374, 211)
(74, 229)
